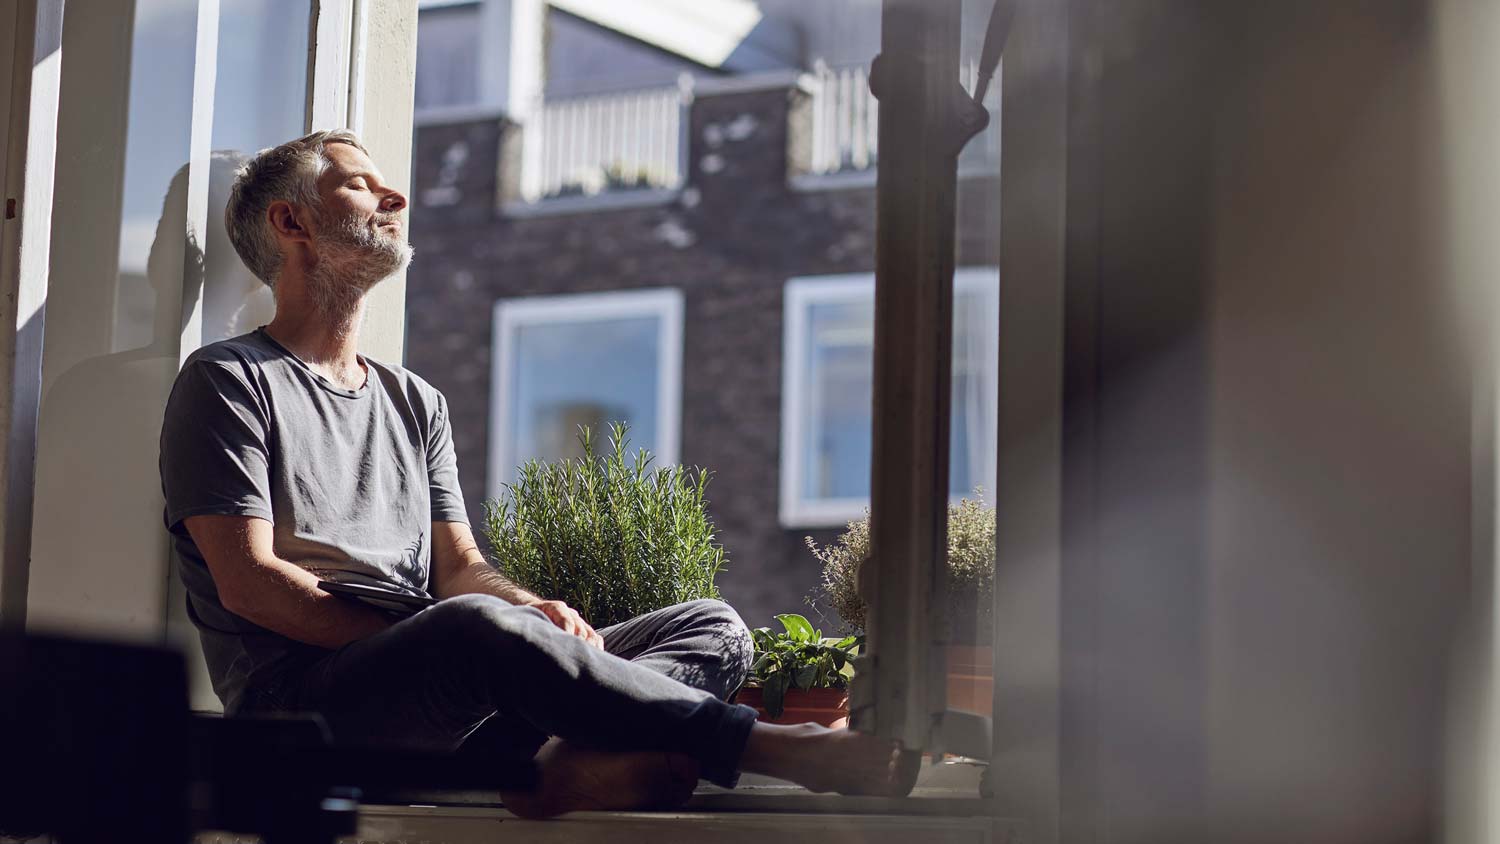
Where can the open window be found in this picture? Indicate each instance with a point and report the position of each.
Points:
(808, 400)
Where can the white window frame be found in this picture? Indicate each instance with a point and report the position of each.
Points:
(666, 304)
(802, 293)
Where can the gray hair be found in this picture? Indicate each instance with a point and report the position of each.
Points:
(288, 172)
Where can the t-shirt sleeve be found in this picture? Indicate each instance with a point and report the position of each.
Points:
(442, 469)
(215, 446)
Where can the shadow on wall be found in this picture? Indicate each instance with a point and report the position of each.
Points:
(99, 551)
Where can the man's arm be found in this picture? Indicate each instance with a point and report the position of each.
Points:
(458, 568)
(256, 585)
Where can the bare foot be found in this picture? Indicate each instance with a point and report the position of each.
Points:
(820, 759)
(576, 779)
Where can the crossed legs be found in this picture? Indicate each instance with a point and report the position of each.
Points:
(635, 726)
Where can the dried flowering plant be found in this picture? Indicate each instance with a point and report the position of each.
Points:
(971, 569)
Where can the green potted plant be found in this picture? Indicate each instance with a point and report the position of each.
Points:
(799, 675)
(607, 533)
(968, 602)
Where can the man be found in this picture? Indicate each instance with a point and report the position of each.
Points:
(287, 457)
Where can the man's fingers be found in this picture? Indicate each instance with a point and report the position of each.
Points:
(592, 636)
(569, 621)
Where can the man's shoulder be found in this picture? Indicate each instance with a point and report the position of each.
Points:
(235, 366)
(401, 380)
(245, 351)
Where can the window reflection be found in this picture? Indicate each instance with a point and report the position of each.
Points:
(156, 146)
(259, 98)
(114, 311)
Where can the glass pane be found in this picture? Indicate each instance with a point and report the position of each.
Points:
(840, 389)
(976, 362)
(156, 141)
(448, 56)
(971, 519)
(595, 372)
(259, 102)
(535, 205)
(838, 427)
(113, 317)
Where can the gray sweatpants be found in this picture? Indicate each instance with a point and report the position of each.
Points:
(478, 674)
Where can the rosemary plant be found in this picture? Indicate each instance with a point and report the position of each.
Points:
(607, 533)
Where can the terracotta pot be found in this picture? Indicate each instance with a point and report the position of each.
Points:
(829, 707)
(971, 678)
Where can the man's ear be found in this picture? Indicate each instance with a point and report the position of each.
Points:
(288, 221)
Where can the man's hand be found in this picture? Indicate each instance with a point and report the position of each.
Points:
(459, 569)
(568, 619)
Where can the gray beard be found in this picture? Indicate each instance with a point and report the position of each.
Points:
(352, 259)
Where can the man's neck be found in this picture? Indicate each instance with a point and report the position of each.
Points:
(327, 342)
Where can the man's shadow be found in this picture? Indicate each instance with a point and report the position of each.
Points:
(99, 550)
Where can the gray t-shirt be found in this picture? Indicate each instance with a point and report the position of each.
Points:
(352, 481)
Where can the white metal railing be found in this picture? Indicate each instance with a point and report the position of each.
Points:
(846, 123)
(588, 145)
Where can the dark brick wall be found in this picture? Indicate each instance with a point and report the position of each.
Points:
(729, 242)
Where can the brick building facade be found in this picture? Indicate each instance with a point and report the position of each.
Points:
(729, 239)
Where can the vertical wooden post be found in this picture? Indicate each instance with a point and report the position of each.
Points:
(901, 690)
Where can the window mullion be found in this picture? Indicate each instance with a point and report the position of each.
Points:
(200, 143)
(330, 60)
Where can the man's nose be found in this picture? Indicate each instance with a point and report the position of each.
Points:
(392, 202)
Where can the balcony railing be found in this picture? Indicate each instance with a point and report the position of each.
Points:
(588, 145)
(846, 124)
(845, 121)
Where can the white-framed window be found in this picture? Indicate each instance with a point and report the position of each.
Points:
(584, 359)
(828, 387)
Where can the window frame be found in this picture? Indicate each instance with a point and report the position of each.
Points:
(794, 510)
(665, 303)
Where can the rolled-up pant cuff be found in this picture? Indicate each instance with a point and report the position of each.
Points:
(720, 764)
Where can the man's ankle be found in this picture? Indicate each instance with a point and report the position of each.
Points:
(773, 749)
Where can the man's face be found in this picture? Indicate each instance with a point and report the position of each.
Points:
(357, 230)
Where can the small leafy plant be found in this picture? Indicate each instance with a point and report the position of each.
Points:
(607, 533)
(799, 658)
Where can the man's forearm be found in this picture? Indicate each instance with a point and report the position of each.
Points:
(287, 600)
(480, 578)
(459, 568)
